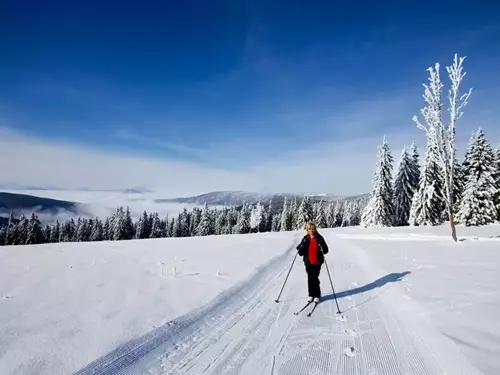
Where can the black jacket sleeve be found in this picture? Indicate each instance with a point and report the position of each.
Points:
(324, 246)
(301, 247)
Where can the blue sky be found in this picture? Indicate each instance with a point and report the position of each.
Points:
(255, 91)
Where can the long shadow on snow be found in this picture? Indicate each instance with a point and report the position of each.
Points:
(160, 340)
(390, 278)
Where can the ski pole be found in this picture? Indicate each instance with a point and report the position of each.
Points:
(290, 270)
(331, 283)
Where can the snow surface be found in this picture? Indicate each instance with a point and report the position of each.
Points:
(412, 302)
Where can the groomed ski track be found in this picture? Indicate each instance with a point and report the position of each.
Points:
(381, 330)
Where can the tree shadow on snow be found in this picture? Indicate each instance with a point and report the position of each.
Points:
(390, 278)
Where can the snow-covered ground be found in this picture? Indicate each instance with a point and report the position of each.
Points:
(412, 302)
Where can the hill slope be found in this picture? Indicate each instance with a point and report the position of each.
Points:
(153, 306)
(13, 202)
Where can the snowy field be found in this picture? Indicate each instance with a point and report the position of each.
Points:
(412, 302)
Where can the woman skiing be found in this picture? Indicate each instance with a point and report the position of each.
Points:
(312, 248)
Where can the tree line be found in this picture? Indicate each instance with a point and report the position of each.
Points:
(197, 222)
(443, 189)
(416, 196)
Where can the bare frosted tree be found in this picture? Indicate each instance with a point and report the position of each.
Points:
(443, 136)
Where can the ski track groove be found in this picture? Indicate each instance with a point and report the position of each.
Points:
(247, 333)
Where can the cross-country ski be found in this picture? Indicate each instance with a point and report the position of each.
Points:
(303, 308)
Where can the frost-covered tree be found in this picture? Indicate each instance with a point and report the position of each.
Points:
(320, 219)
(477, 206)
(458, 184)
(403, 189)
(21, 231)
(331, 215)
(10, 231)
(221, 221)
(428, 203)
(276, 223)
(81, 228)
(129, 229)
(496, 197)
(348, 213)
(156, 227)
(294, 213)
(286, 216)
(243, 224)
(415, 167)
(55, 233)
(441, 135)
(35, 231)
(143, 227)
(97, 231)
(257, 218)
(269, 213)
(305, 213)
(380, 210)
(176, 229)
(205, 227)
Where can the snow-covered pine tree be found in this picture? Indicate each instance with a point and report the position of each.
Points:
(142, 228)
(276, 223)
(170, 228)
(177, 231)
(496, 197)
(3, 233)
(477, 206)
(284, 217)
(294, 213)
(80, 230)
(443, 137)
(185, 223)
(156, 227)
(358, 206)
(119, 229)
(35, 231)
(415, 168)
(331, 215)
(205, 226)
(269, 217)
(380, 209)
(321, 216)
(243, 224)
(10, 231)
(403, 189)
(305, 213)
(55, 234)
(348, 213)
(221, 221)
(428, 202)
(257, 218)
(97, 231)
(47, 234)
(195, 221)
(129, 230)
(458, 184)
(21, 231)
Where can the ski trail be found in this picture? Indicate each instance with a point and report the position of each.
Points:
(378, 332)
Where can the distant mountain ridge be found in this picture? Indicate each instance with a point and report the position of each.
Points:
(18, 203)
(237, 198)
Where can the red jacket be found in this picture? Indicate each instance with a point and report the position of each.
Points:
(321, 248)
(312, 252)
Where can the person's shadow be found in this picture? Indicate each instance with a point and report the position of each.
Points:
(390, 278)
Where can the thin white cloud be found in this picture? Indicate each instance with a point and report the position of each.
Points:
(31, 161)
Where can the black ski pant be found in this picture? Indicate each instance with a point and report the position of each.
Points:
(313, 280)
